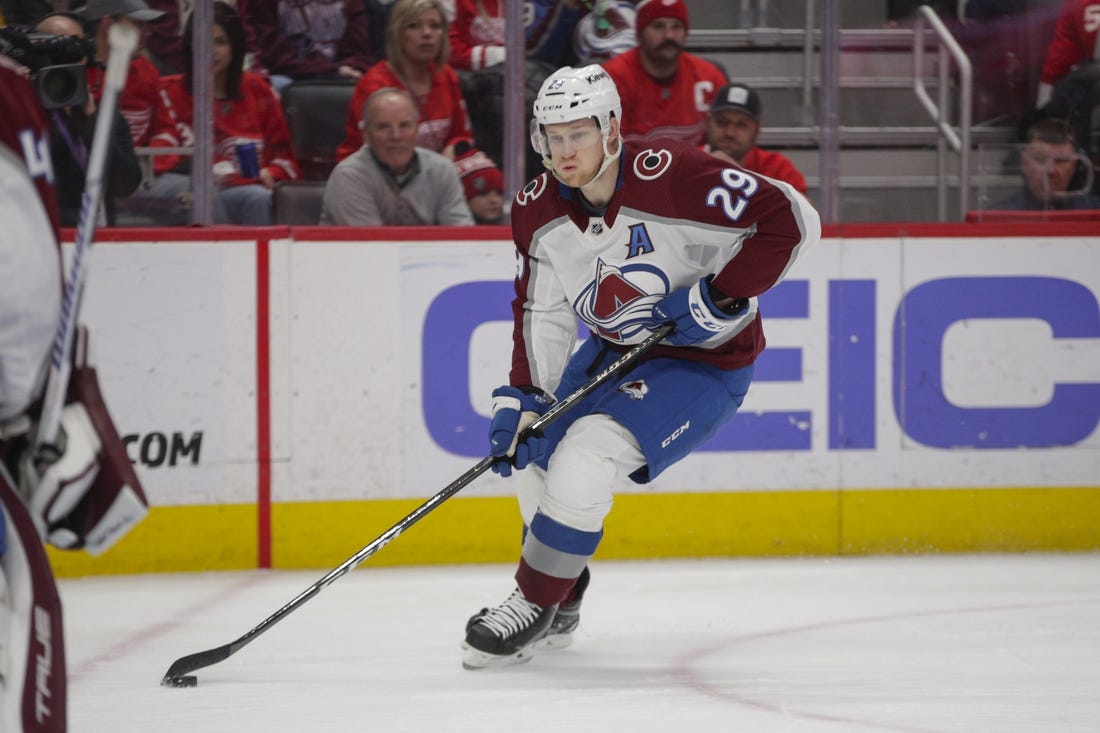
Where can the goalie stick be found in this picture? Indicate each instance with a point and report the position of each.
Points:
(178, 674)
(122, 39)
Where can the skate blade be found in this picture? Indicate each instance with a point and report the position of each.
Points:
(557, 641)
(477, 659)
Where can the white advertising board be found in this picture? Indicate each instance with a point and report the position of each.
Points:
(174, 327)
(892, 363)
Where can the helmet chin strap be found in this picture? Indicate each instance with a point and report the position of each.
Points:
(608, 159)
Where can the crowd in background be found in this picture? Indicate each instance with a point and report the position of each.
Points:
(422, 140)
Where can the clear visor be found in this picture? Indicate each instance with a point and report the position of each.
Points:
(564, 138)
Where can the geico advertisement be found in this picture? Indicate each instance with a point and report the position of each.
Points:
(921, 363)
(890, 363)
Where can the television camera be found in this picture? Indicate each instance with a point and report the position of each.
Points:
(56, 63)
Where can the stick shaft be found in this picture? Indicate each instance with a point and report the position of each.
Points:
(192, 662)
(123, 40)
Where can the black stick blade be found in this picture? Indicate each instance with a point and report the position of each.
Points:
(188, 664)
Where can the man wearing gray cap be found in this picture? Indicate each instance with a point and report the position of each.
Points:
(732, 128)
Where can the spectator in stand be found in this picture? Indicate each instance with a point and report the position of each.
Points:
(312, 39)
(1049, 164)
(482, 182)
(165, 40)
(1076, 40)
(416, 61)
(665, 91)
(477, 34)
(71, 132)
(252, 142)
(732, 128)
(140, 101)
(389, 180)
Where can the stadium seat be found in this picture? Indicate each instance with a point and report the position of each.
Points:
(315, 112)
(297, 202)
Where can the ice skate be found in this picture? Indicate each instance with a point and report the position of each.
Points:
(506, 634)
(568, 617)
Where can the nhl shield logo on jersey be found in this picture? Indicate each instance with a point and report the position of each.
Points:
(650, 164)
(636, 389)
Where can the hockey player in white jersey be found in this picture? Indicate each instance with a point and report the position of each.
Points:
(80, 491)
(626, 237)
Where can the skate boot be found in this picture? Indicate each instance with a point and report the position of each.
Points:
(506, 634)
(568, 617)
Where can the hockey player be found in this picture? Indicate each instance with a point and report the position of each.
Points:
(79, 492)
(626, 237)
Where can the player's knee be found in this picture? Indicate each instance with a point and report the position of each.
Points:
(591, 459)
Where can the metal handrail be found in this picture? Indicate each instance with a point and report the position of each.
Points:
(959, 141)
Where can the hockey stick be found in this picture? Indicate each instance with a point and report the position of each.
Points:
(122, 38)
(178, 674)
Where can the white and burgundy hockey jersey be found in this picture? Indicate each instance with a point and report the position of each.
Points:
(677, 215)
(30, 279)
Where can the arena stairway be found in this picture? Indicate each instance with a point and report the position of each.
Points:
(888, 156)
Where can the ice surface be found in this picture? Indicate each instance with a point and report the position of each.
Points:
(999, 643)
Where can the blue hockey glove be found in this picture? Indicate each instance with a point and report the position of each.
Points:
(513, 411)
(696, 316)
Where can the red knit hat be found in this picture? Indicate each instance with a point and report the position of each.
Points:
(479, 174)
(650, 10)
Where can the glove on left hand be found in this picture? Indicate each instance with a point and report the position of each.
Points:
(513, 412)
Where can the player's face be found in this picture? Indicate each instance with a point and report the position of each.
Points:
(576, 150)
(390, 130)
(662, 41)
(1048, 168)
(732, 132)
(421, 37)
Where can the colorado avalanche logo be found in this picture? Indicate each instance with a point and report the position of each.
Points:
(636, 389)
(619, 300)
(650, 163)
(532, 190)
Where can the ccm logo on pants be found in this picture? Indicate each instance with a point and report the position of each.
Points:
(675, 434)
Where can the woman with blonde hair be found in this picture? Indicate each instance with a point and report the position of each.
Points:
(416, 60)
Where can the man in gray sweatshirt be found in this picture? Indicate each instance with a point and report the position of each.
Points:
(390, 181)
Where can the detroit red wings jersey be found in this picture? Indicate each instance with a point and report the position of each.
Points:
(443, 116)
(675, 108)
(140, 101)
(1075, 39)
(256, 118)
(677, 215)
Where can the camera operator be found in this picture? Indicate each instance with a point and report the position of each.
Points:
(71, 130)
